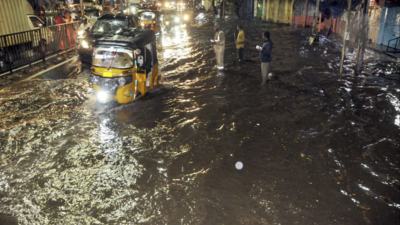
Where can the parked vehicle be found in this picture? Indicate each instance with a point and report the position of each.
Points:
(16, 19)
(106, 25)
(18, 16)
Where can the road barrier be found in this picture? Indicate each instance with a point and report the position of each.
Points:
(24, 48)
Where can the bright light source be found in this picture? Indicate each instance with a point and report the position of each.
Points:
(85, 44)
(185, 17)
(167, 4)
(176, 19)
(80, 33)
(102, 96)
(142, 24)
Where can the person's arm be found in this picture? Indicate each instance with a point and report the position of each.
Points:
(81, 27)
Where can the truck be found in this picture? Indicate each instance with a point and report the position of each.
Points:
(17, 16)
(24, 37)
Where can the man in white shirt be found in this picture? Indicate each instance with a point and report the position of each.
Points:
(219, 46)
(74, 16)
(85, 25)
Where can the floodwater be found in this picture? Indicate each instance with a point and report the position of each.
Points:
(316, 148)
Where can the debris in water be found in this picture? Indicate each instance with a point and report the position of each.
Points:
(239, 165)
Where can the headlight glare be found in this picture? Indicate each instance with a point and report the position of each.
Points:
(85, 44)
(102, 96)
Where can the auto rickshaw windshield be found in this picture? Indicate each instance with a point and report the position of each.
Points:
(148, 16)
(113, 57)
(103, 26)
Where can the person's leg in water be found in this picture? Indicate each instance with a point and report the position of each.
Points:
(221, 60)
(240, 54)
(264, 72)
(217, 57)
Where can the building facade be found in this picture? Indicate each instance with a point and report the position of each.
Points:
(383, 18)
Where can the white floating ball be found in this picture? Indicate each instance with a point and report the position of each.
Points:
(239, 165)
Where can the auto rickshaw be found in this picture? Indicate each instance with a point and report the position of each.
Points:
(151, 20)
(124, 66)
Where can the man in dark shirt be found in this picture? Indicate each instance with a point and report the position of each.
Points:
(265, 55)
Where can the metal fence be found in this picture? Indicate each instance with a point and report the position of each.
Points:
(24, 48)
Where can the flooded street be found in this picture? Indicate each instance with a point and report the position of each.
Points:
(316, 148)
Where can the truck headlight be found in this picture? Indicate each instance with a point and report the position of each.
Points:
(85, 44)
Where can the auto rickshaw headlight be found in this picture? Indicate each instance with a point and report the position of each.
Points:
(121, 81)
(142, 24)
(185, 17)
(80, 33)
(85, 44)
(102, 96)
(176, 19)
(167, 22)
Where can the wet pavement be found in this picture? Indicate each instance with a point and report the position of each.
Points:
(316, 148)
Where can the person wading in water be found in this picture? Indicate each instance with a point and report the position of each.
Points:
(219, 46)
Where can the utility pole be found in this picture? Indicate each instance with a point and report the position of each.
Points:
(344, 36)
(305, 14)
(314, 32)
(362, 38)
(82, 10)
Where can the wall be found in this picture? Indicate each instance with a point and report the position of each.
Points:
(207, 4)
(389, 26)
(278, 11)
(298, 17)
(375, 21)
(246, 11)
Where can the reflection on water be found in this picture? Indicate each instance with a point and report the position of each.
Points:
(316, 148)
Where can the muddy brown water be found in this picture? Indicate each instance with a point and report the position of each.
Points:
(316, 148)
